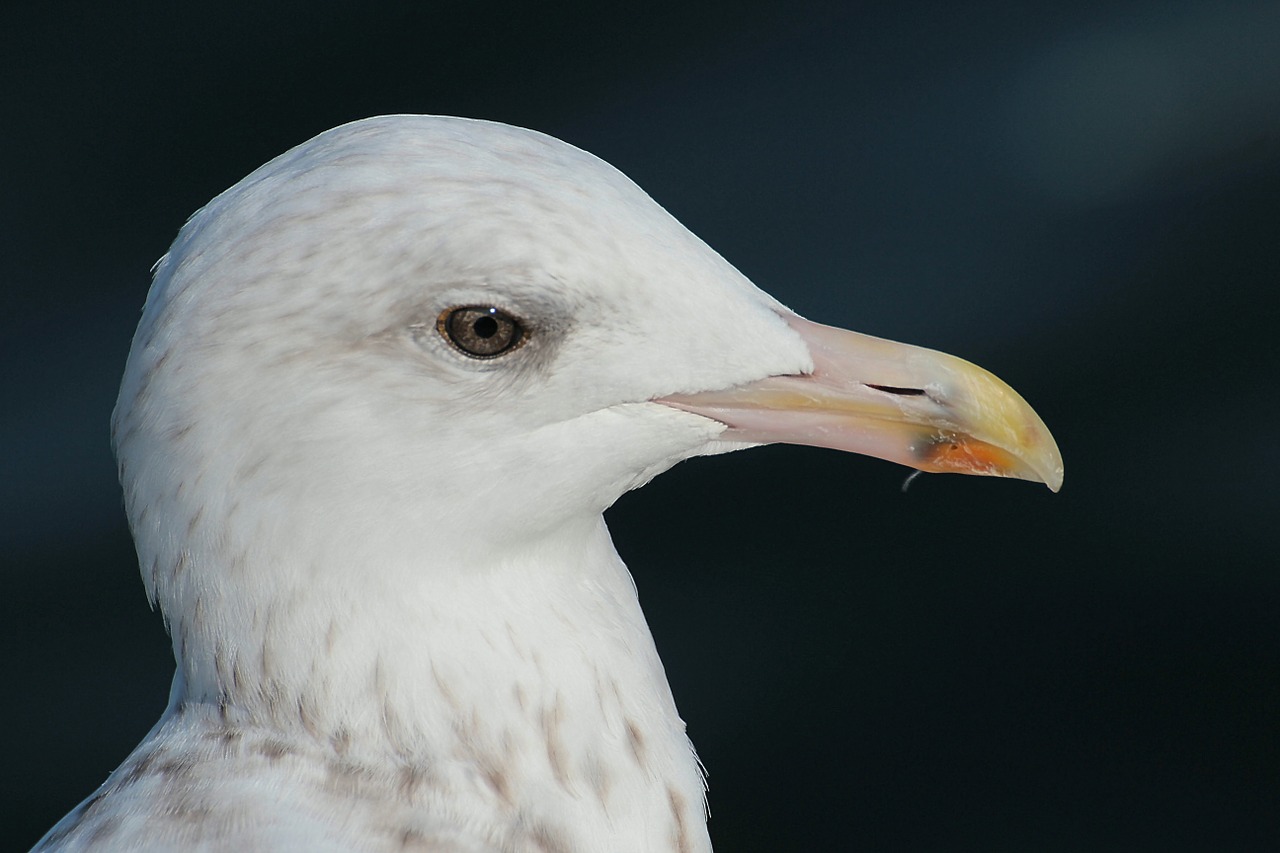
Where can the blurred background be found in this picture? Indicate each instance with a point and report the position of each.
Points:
(1083, 198)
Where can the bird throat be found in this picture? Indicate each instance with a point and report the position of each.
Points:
(533, 688)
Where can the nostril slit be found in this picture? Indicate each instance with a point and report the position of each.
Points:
(891, 389)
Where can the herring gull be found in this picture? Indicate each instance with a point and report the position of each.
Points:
(380, 394)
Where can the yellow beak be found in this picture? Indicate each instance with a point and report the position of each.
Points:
(907, 404)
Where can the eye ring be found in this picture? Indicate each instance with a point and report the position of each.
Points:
(480, 331)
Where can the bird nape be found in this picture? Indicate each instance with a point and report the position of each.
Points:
(381, 392)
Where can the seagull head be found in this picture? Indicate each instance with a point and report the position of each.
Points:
(414, 347)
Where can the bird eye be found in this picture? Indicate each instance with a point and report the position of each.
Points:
(480, 331)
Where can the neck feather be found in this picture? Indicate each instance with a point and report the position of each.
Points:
(536, 674)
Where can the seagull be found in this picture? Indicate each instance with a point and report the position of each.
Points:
(380, 394)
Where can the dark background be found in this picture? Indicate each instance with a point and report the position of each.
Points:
(1083, 197)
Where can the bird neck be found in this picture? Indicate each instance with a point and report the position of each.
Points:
(536, 674)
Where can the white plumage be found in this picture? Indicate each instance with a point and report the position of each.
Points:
(398, 618)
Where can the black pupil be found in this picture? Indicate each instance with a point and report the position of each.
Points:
(485, 327)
